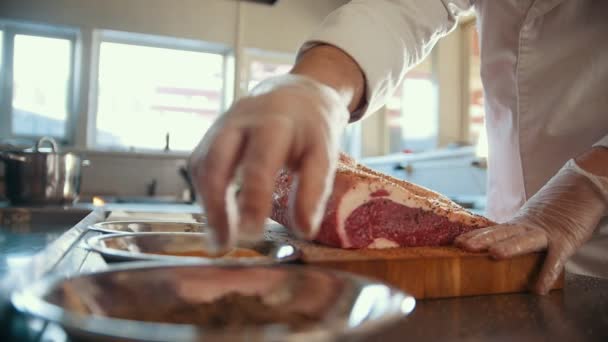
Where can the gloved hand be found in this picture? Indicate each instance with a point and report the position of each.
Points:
(560, 217)
(289, 121)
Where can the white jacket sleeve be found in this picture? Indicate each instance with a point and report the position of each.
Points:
(603, 142)
(386, 38)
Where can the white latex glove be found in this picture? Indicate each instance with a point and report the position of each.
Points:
(560, 217)
(289, 121)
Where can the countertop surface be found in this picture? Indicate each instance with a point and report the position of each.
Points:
(579, 312)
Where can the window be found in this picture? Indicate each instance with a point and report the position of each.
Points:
(351, 143)
(263, 64)
(412, 112)
(40, 90)
(261, 70)
(156, 97)
(37, 75)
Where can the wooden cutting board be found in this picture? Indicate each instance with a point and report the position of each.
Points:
(424, 272)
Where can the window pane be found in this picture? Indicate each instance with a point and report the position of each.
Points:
(146, 93)
(259, 71)
(412, 116)
(41, 84)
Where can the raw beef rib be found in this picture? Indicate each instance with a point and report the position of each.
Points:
(373, 210)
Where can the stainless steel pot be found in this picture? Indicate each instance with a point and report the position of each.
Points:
(36, 177)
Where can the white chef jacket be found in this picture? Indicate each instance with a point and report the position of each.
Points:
(544, 68)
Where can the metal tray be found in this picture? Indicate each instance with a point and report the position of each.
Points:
(185, 246)
(93, 306)
(149, 227)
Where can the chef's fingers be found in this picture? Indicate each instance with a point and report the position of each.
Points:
(468, 235)
(464, 237)
(552, 268)
(313, 186)
(265, 153)
(531, 241)
(473, 233)
(484, 238)
(212, 167)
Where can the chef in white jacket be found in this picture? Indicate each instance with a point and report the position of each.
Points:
(544, 67)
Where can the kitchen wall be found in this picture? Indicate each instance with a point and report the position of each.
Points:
(286, 25)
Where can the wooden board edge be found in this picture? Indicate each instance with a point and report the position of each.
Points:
(447, 278)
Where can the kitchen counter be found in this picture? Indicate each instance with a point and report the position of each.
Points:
(579, 312)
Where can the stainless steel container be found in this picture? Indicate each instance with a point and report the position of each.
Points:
(36, 177)
(114, 304)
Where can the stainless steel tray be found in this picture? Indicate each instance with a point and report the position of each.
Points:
(149, 227)
(177, 247)
(89, 306)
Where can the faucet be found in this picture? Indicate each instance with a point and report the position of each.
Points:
(151, 188)
(183, 171)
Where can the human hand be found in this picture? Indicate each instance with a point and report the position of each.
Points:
(289, 121)
(560, 217)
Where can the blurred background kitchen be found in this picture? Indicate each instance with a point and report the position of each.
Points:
(132, 85)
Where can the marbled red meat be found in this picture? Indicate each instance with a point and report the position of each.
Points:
(368, 209)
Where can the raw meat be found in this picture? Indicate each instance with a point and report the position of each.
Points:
(368, 209)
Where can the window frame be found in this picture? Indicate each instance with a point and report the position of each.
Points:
(155, 41)
(10, 30)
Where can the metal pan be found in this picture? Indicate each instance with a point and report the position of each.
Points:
(149, 227)
(137, 303)
(38, 177)
(176, 247)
